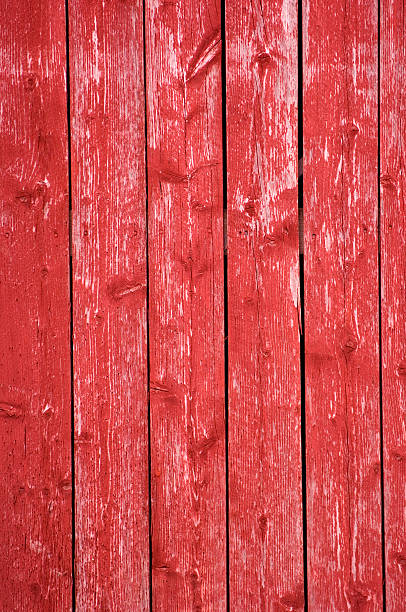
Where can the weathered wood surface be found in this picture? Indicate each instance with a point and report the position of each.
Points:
(35, 458)
(183, 81)
(342, 304)
(109, 305)
(266, 550)
(393, 302)
(149, 431)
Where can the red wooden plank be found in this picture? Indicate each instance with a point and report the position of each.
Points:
(266, 551)
(186, 304)
(393, 304)
(35, 458)
(341, 304)
(109, 290)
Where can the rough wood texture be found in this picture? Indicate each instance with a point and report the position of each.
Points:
(341, 305)
(35, 458)
(266, 551)
(110, 215)
(393, 303)
(183, 52)
(109, 294)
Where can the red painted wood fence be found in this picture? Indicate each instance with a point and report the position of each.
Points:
(202, 349)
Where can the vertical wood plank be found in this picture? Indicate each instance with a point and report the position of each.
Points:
(266, 550)
(341, 304)
(109, 293)
(393, 304)
(35, 457)
(183, 50)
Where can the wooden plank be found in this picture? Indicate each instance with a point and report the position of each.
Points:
(266, 550)
(109, 293)
(393, 304)
(341, 304)
(183, 49)
(35, 457)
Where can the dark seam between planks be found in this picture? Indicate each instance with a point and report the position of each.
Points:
(225, 264)
(301, 281)
(72, 386)
(380, 319)
(147, 308)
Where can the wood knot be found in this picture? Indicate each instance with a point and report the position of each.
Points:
(293, 600)
(348, 265)
(358, 596)
(263, 523)
(250, 207)
(352, 132)
(263, 59)
(47, 411)
(65, 484)
(266, 59)
(29, 197)
(94, 116)
(401, 368)
(271, 241)
(187, 263)
(250, 300)
(388, 182)
(169, 572)
(399, 558)
(195, 112)
(30, 81)
(352, 129)
(26, 198)
(40, 189)
(207, 52)
(194, 575)
(170, 394)
(83, 438)
(35, 589)
(205, 444)
(349, 344)
(10, 411)
(199, 206)
(266, 351)
(398, 455)
(120, 288)
(168, 175)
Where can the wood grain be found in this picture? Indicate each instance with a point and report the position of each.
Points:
(341, 304)
(266, 550)
(109, 301)
(183, 50)
(393, 304)
(35, 457)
